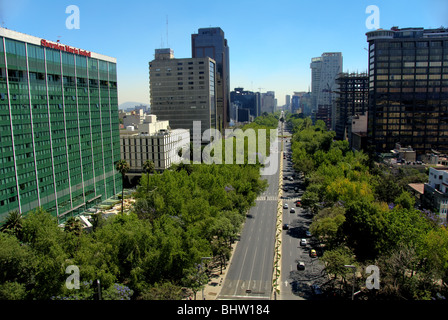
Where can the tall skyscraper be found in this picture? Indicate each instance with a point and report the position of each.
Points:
(324, 71)
(183, 91)
(59, 130)
(408, 89)
(210, 42)
(288, 102)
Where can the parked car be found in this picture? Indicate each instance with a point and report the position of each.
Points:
(285, 226)
(303, 242)
(285, 206)
(308, 233)
(316, 289)
(298, 204)
(301, 265)
(313, 253)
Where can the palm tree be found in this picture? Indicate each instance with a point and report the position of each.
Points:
(148, 167)
(123, 167)
(13, 224)
(73, 225)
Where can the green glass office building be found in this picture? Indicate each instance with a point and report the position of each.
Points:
(59, 130)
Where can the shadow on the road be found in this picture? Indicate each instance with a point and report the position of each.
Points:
(298, 229)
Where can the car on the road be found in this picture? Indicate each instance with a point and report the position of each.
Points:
(316, 289)
(303, 242)
(301, 265)
(286, 226)
(285, 206)
(292, 210)
(313, 253)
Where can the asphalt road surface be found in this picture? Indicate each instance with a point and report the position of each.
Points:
(250, 273)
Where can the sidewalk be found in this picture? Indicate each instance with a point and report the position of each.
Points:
(213, 288)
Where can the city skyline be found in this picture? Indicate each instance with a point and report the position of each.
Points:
(271, 45)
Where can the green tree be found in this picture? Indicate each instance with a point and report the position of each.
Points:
(163, 291)
(17, 266)
(195, 279)
(13, 224)
(148, 168)
(405, 200)
(123, 167)
(365, 228)
(73, 225)
(327, 226)
(43, 236)
(335, 260)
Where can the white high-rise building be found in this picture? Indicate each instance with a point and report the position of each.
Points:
(324, 71)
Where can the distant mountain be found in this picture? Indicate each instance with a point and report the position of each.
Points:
(131, 104)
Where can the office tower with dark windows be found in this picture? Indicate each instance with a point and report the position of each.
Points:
(352, 99)
(408, 89)
(183, 91)
(244, 99)
(210, 42)
(59, 130)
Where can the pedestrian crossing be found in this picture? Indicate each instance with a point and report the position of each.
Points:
(267, 198)
(275, 198)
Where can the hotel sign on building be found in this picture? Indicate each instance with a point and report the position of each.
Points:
(65, 48)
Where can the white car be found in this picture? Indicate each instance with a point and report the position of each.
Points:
(285, 206)
(303, 242)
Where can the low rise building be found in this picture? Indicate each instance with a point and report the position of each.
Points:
(152, 140)
(435, 195)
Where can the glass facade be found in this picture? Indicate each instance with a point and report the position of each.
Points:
(59, 130)
(408, 90)
(211, 42)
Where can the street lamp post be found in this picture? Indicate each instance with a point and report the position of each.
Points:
(354, 275)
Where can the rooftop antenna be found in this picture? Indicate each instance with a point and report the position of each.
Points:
(167, 42)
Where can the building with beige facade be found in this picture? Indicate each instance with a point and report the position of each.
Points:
(183, 91)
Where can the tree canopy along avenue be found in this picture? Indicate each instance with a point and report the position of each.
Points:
(362, 215)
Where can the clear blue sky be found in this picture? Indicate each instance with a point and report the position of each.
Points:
(271, 42)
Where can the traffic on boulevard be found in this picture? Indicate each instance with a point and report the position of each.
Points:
(301, 272)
